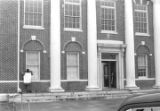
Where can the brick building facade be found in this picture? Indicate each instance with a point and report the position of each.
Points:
(78, 45)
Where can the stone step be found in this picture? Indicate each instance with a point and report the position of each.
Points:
(63, 96)
(48, 97)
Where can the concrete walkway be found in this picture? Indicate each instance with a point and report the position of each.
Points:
(69, 101)
(71, 105)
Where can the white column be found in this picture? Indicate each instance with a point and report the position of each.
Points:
(129, 39)
(55, 56)
(92, 46)
(18, 49)
(156, 18)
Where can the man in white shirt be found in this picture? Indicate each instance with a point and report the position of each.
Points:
(27, 80)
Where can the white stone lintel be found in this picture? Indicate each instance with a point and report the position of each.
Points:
(51, 89)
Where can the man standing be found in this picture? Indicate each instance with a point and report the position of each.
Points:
(27, 79)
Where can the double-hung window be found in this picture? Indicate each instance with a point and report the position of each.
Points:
(141, 19)
(108, 16)
(33, 63)
(33, 13)
(72, 14)
(142, 65)
(72, 65)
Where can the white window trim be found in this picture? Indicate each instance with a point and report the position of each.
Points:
(142, 77)
(147, 20)
(142, 34)
(78, 76)
(38, 79)
(110, 42)
(74, 29)
(115, 14)
(146, 76)
(33, 26)
(110, 32)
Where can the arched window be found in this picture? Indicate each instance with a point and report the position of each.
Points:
(73, 61)
(32, 58)
(142, 65)
(142, 62)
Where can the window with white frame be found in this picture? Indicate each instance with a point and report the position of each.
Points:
(72, 14)
(108, 15)
(33, 63)
(33, 12)
(141, 18)
(72, 65)
(142, 65)
(1, 17)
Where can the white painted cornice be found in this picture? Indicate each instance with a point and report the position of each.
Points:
(155, 1)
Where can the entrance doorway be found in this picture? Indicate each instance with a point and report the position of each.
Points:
(111, 69)
(109, 76)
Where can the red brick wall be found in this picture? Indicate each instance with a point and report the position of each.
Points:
(8, 44)
(145, 84)
(81, 38)
(74, 86)
(149, 43)
(37, 87)
(119, 23)
(42, 36)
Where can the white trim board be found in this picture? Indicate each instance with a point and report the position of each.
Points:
(110, 42)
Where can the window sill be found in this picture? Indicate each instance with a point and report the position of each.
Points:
(40, 81)
(72, 29)
(33, 27)
(142, 34)
(80, 80)
(109, 32)
(36, 81)
(145, 78)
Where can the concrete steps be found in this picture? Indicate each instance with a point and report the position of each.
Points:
(49, 97)
(63, 96)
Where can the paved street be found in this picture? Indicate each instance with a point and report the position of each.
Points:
(74, 105)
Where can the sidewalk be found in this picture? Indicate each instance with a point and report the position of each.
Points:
(71, 105)
(75, 105)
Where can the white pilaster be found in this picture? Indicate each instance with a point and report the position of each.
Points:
(156, 18)
(92, 46)
(129, 39)
(55, 61)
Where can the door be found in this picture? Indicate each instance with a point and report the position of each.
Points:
(109, 74)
